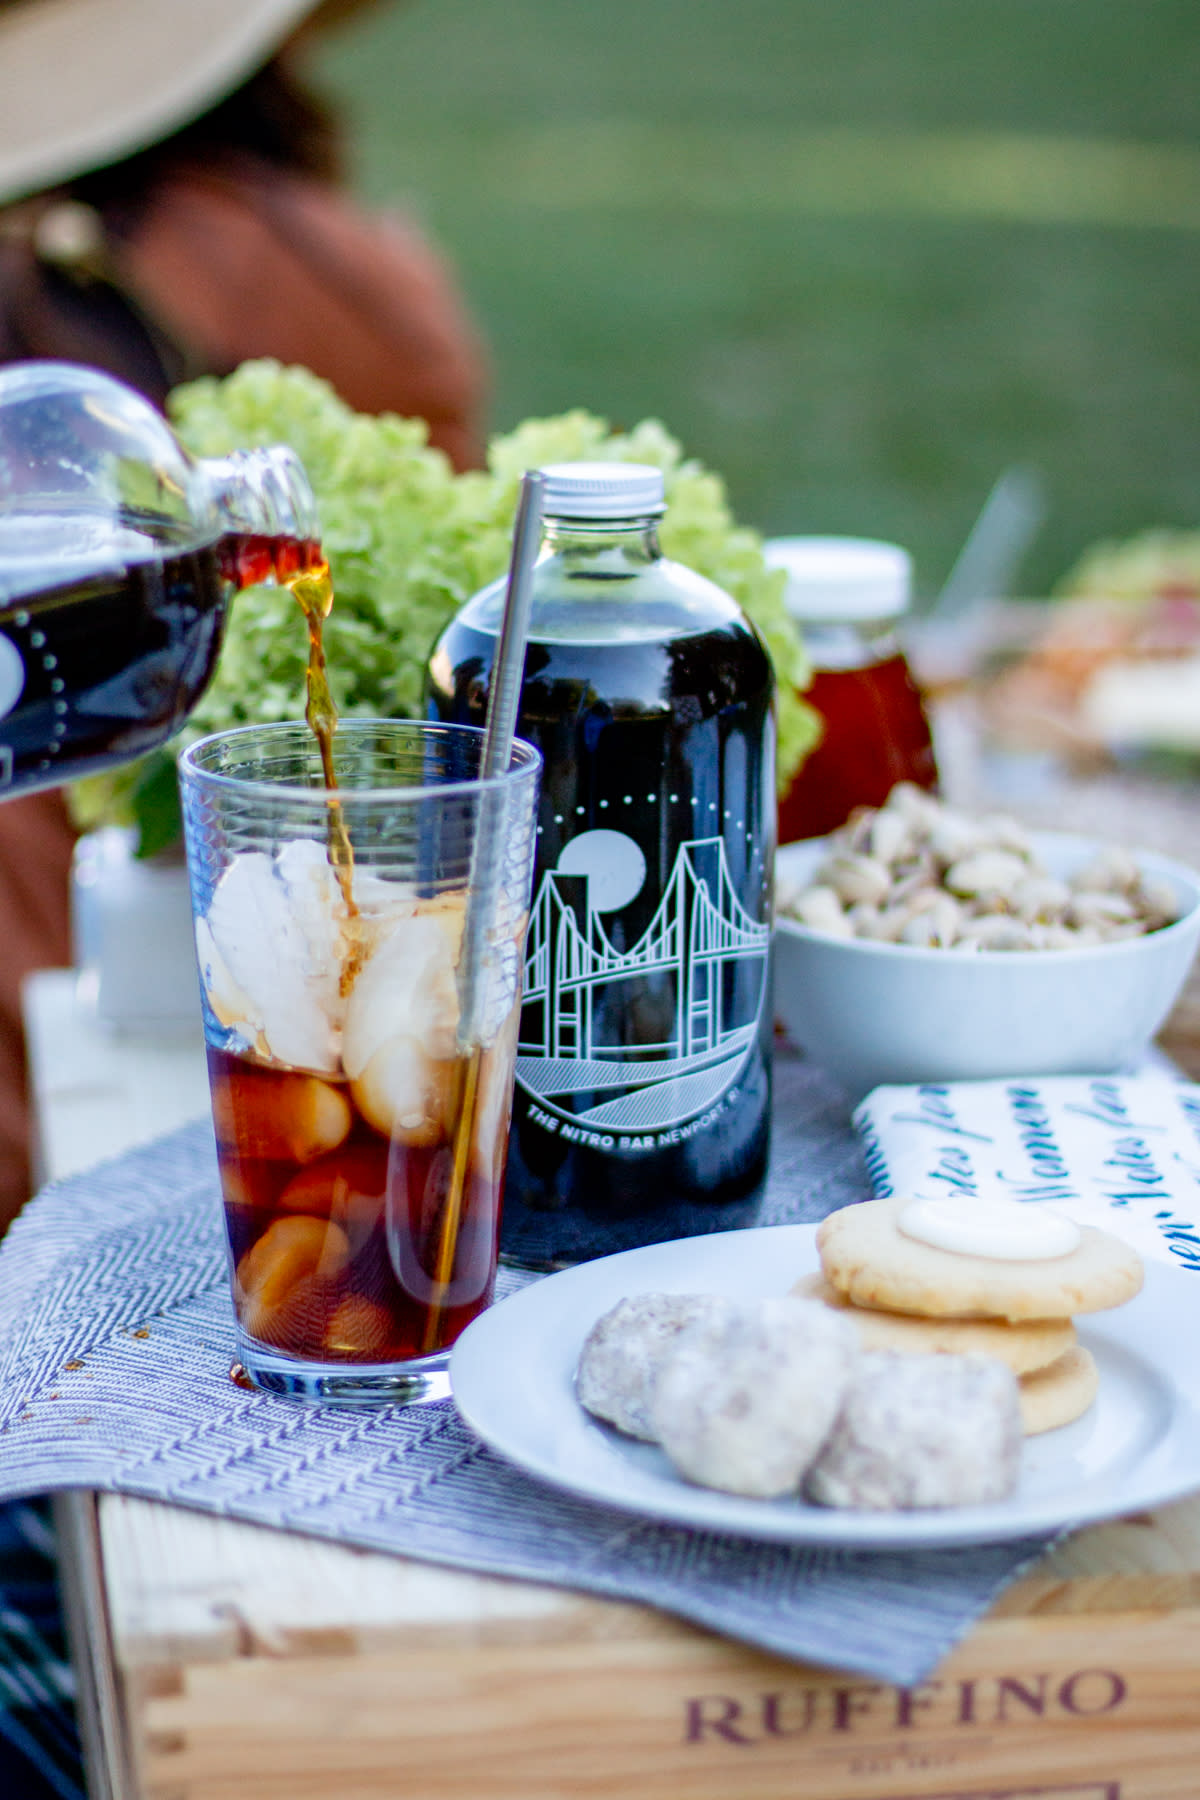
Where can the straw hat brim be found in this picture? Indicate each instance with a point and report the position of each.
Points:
(86, 82)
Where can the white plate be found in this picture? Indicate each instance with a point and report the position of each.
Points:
(1137, 1447)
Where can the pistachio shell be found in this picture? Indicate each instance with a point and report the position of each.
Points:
(914, 804)
(1000, 832)
(1158, 898)
(855, 834)
(862, 916)
(1111, 871)
(820, 909)
(920, 873)
(997, 931)
(788, 895)
(1039, 897)
(986, 872)
(921, 933)
(1054, 936)
(870, 923)
(1132, 928)
(1094, 908)
(853, 877)
(934, 925)
(952, 837)
(914, 878)
(891, 923)
(891, 836)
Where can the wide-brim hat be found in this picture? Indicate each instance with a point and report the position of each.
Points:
(86, 82)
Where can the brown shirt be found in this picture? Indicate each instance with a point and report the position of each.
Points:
(244, 261)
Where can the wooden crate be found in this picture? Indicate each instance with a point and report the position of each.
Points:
(253, 1666)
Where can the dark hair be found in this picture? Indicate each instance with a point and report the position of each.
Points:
(78, 311)
(273, 117)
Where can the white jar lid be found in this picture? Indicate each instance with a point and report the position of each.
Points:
(841, 578)
(602, 490)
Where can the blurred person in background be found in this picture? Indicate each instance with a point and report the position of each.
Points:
(171, 204)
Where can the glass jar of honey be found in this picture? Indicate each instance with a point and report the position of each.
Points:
(847, 597)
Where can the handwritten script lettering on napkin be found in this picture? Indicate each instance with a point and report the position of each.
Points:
(1118, 1151)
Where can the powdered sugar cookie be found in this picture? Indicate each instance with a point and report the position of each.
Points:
(921, 1431)
(745, 1398)
(619, 1362)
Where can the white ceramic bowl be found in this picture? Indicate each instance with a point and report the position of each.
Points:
(871, 1013)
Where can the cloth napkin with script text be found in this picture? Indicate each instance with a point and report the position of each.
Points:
(1118, 1151)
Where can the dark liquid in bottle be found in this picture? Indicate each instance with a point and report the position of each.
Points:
(248, 558)
(876, 734)
(109, 634)
(642, 1099)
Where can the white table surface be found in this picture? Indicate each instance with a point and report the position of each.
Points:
(98, 1092)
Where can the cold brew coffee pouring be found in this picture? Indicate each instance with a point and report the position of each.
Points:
(363, 893)
(361, 897)
(119, 555)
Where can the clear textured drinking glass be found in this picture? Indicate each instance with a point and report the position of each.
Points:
(360, 952)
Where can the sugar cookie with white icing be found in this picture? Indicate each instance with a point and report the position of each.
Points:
(869, 1259)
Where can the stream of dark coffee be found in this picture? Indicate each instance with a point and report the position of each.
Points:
(313, 591)
(312, 587)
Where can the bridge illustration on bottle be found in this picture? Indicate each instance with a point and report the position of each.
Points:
(577, 981)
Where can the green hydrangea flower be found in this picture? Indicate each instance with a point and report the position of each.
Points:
(408, 542)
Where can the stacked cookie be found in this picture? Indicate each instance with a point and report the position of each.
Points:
(906, 1295)
(903, 1375)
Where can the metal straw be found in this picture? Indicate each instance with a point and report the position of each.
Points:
(505, 686)
(504, 692)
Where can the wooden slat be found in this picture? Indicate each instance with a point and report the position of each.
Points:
(85, 1607)
(1024, 1707)
(257, 1663)
(190, 1587)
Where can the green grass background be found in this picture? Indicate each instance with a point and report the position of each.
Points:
(859, 255)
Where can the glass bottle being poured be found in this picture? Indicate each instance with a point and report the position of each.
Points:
(119, 555)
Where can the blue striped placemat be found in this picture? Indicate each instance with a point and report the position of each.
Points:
(116, 1337)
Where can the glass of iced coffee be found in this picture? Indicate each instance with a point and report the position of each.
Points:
(360, 953)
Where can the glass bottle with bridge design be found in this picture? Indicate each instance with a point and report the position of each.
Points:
(119, 554)
(642, 1102)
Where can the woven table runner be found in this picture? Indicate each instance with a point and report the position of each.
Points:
(116, 1336)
